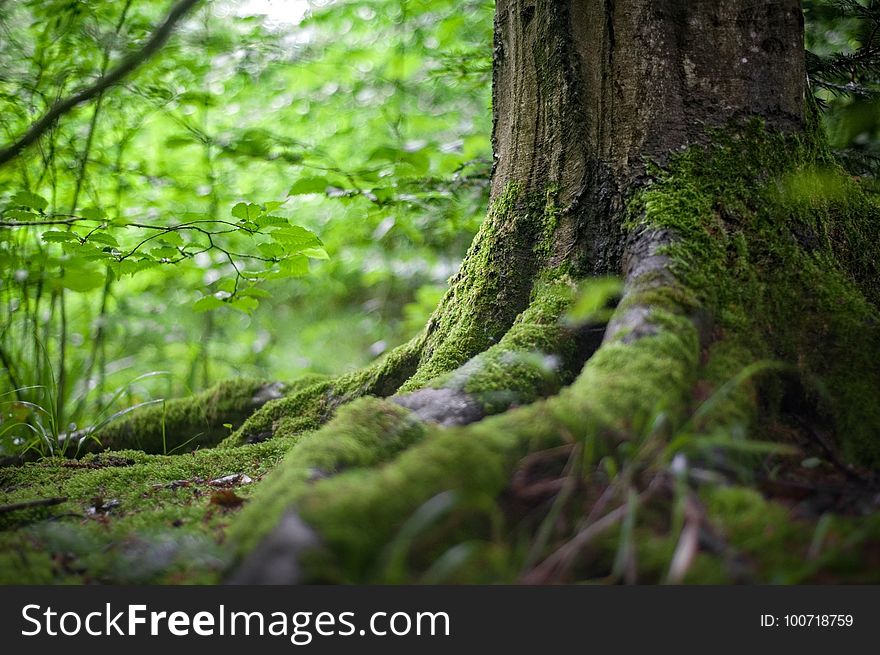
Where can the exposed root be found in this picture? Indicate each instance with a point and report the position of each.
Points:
(181, 424)
(624, 384)
(492, 287)
(310, 406)
(536, 358)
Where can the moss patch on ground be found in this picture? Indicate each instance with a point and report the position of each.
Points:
(128, 517)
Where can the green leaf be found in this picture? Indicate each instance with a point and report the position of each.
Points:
(307, 185)
(296, 266)
(56, 236)
(254, 292)
(132, 266)
(417, 159)
(32, 200)
(82, 279)
(86, 251)
(207, 303)
(295, 238)
(271, 250)
(245, 304)
(272, 205)
(246, 211)
(164, 252)
(103, 237)
(270, 221)
(93, 214)
(21, 215)
(316, 253)
(226, 284)
(171, 238)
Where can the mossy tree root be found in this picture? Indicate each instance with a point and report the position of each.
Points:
(181, 424)
(338, 527)
(314, 402)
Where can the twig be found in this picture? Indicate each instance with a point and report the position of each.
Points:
(27, 504)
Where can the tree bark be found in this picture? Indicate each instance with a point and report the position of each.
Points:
(586, 91)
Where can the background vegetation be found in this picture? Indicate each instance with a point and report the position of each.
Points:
(284, 189)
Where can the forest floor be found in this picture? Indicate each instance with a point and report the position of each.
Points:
(129, 517)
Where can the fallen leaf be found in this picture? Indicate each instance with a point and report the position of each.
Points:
(226, 498)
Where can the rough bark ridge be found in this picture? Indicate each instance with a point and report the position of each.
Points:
(670, 142)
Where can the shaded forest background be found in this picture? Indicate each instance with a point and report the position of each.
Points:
(283, 190)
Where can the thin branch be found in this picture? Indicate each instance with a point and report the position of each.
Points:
(115, 76)
(27, 504)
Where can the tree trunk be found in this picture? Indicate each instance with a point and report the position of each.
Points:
(584, 92)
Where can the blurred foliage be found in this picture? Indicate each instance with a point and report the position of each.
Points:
(285, 188)
(843, 61)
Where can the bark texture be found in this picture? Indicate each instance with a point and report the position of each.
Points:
(585, 91)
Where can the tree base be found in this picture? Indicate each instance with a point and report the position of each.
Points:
(715, 435)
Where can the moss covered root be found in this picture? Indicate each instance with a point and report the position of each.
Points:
(169, 426)
(493, 286)
(356, 514)
(312, 404)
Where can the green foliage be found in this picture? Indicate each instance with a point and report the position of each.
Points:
(843, 62)
(283, 183)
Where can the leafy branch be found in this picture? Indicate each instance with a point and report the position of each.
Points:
(854, 73)
(284, 254)
(127, 66)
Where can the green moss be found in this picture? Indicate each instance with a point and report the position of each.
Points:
(534, 359)
(181, 424)
(155, 521)
(781, 246)
(358, 512)
(365, 432)
(783, 549)
(312, 405)
(303, 410)
(733, 397)
(494, 284)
